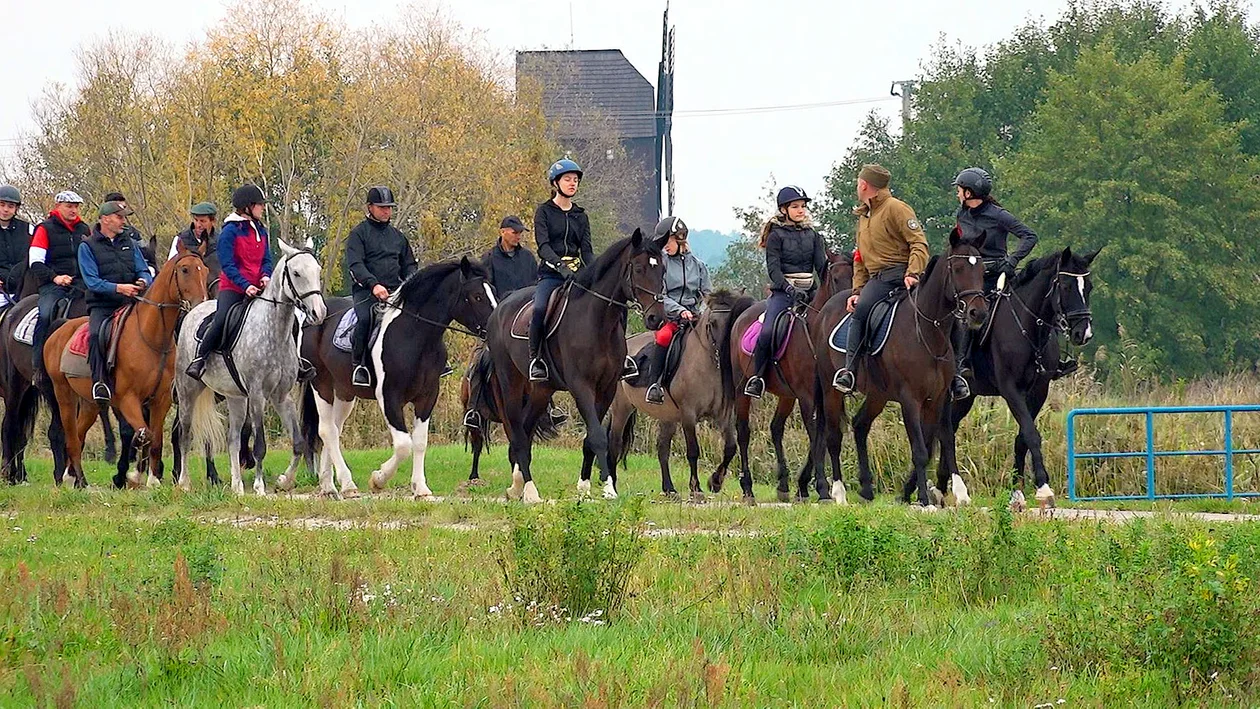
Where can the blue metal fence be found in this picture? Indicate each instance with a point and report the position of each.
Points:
(1227, 450)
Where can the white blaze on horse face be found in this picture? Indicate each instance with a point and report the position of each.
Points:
(490, 294)
(1089, 328)
(652, 260)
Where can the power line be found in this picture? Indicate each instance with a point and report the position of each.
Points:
(718, 112)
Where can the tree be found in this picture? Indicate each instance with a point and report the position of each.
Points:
(1137, 158)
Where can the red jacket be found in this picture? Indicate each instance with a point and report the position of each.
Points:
(244, 254)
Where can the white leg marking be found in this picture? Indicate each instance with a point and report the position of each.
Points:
(341, 412)
(610, 492)
(490, 294)
(402, 449)
(419, 443)
(584, 488)
(962, 497)
(838, 492)
(260, 485)
(1045, 495)
(518, 484)
(1018, 503)
(329, 434)
(153, 481)
(530, 495)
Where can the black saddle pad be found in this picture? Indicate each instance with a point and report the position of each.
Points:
(645, 358)
(878, 326)
(231, 327)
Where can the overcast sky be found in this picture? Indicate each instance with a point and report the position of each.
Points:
(745, 54)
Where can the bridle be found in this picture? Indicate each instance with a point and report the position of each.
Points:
(287, 283)
(625, 279)
(961, 300)
(1065, 320)
(1061, 320)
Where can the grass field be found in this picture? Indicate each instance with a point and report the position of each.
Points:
(156, 598)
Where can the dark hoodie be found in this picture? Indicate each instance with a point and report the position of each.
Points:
(792, 248)
(561, 235)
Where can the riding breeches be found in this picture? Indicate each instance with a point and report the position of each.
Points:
(49, 295)
(542, 295)
(775, 304)
(875, 290)
(226, 299)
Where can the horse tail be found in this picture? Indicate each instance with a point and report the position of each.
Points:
(725, 366)
(207, 424)
(627, 435)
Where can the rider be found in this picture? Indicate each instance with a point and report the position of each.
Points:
(511, 265)
(686, 286)
(53, 259)
(378, 259)
(15, 241)
(894, 254)
(201, 233)
(114, 271)
(563, 233)
(245, 256)
(131, 231)
(795, 255)
(979, 213)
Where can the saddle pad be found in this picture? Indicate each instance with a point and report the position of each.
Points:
(79, 341)
(555, 313)
(25, 330)
(748, 342)
(75, 366)
(878, 328)
(343, 336)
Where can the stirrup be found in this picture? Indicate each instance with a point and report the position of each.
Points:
(655, 394)
(629, 368)
(1066, 367)
(844, 381)
(755, 387)
(472, 420)
(305, 370)
(959, 388)
(447, 370)
(538, 370)
(101, 393)
(362, 377)
(558, 415)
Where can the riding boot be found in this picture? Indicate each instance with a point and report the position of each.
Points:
(845, 380)
(100, 387)
(959, 388)
(756, 384)
(38, 375)
(537, 367)
(656, 392)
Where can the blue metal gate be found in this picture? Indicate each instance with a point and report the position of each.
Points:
(1227, 450)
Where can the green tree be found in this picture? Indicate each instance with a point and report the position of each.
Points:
(1139, 159)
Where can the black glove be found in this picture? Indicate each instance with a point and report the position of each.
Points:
(1008, 267)
(800, 296)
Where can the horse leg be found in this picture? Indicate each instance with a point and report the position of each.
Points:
(729, 449)
(236, 416)
(126, 438)
(833, 413)
(947, 472)
(781, 413)
(664, 444)
(107, 430)
(392, 406)
(423, 408)
(1041, 477)
(584, 475)
(1031, 439)
(743, 404)
(862, 420)
(157, 418)
(83, 417)
(288, 414)
(596, 437)
(815, 466)
(255, 417)
(12, 439)
(131, 410)
(913, 416)
(693, 459)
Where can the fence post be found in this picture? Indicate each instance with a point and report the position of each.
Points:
(1229, 454)
(1071, 455)
(1150, 455)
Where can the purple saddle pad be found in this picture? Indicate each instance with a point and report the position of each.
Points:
(748, 342)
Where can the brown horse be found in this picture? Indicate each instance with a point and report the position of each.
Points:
(703, 388)
(146, 367)
(790, 379)
(914, 368)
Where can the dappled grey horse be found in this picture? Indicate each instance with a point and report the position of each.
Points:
(265, 356)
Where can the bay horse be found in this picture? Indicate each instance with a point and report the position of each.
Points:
(479, 392)
(142, 375)
(703, 388)
(587, 352)
(1019, 357)
(266, 358)
(790, 379)
(915, 367)
(408, 356)
(21, 398)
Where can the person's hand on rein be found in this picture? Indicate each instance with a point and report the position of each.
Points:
(911, 282)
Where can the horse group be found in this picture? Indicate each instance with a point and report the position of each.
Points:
(1014, 357)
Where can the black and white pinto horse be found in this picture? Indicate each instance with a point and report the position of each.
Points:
(408, 356)
(265, 356)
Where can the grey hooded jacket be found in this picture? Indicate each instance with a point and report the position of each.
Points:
(687, 284)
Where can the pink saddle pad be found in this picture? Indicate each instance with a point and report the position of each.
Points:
(748, 342)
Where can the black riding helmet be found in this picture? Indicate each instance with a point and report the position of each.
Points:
(975, 180)
(671, 226)
(246, 196)
(790, 194)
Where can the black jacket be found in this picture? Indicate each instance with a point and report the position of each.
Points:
(510, 271)
(792, 248)
(62, 258)
(378, 253)
(115, 263)
(15, 244)
(189, 242)
(996, 223)
(561, 234)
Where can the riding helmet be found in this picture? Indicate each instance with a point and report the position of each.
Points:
(563, 167)
(381, 196)
(9, 193)
(671, 226)
(246, 196)
(790, 194)
(976, 180)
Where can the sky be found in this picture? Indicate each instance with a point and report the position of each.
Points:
(745, 54)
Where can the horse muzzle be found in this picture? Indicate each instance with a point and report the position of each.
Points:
(652, 321)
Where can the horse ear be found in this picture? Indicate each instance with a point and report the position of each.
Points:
(288, 250)
(955, 237)
(309, 244)
(1066, 256)
(465, 267)
(636, 239)
(1089, 257)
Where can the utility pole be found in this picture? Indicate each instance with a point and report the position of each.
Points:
(907, 90)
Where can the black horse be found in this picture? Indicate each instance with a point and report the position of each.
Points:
(587, 351)
(1020, 355)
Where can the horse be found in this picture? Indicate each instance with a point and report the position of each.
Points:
(265, 356)
(142, 379)
(587, 352)
(790, 379)
(1017, 360)
(703, 388)
(914, 368)
(408, 356)
(21, 398)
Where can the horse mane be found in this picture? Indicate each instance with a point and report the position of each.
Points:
(1034, 269)
(588, 276)
(931, 266)
(723, 298)
(739, 302)
(421, 286)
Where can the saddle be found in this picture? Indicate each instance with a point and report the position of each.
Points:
(878, 326)
(343, 336)
(783, 327)
(673, 357)
(74, 360)
(231, 327)
(556, 308)
(25, 330)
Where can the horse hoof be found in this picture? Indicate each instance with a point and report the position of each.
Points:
(584, 488)
(153, 482)
(937, 499)
(476, 482)
(670, 495)
(530, 495)
(374, 482)
(784, 496)
(826, 501)
(610, 492)
(698, 498)
(350, 492)
(866, 494)
(715, 484)
(749, 501)
(962, 498)
(421, 493)
(1018, 503)
(327, 494)
(838, 493)
(133, 479)
(238, 489)
(1045, 497)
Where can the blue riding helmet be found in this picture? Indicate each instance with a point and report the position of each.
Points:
(563, 167)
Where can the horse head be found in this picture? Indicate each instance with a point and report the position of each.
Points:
(966, 274)
(300, 282)
(476, 298)
(646, 280)
(188, 274)
(1073, 286)
(839, 274)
